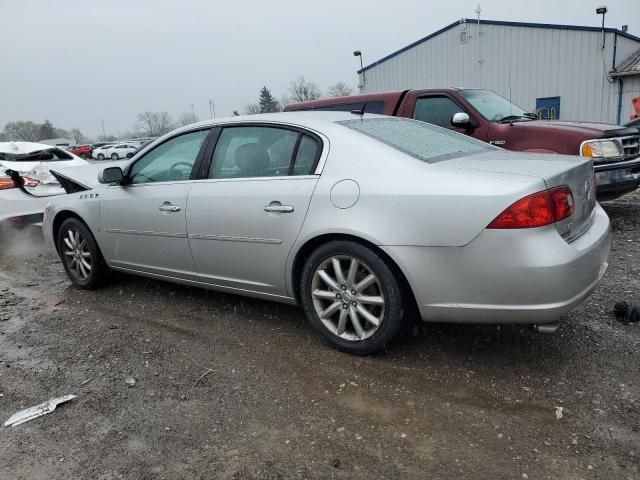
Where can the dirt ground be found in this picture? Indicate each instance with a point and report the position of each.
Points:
(228, 387)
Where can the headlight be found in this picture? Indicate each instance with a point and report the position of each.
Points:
(600, 149)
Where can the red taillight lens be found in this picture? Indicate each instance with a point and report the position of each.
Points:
(537, 210)
(562, 202)
(30, 182)
(6, 182)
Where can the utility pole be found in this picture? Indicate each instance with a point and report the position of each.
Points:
(212, 109)
(104, 135)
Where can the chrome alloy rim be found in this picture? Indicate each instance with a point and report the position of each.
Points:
(349, 302)
(76, 254)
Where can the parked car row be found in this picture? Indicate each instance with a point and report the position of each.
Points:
(108, 150)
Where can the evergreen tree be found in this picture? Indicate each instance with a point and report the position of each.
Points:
(268, 104)
(47, 131)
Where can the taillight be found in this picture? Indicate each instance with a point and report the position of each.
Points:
(537, 210)
(30, 182)
(6, 182)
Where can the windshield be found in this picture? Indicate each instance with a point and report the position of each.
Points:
(421, 140)
(493, 107)
(48, 155)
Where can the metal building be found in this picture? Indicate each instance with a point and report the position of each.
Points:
(567, 72)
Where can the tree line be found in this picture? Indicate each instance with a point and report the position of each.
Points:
(300, 90)
(154, 124)
(28, 131)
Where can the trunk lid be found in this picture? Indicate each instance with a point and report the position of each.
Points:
(555, 170)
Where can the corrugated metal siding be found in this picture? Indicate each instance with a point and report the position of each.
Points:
(630, 89)
(537, 62)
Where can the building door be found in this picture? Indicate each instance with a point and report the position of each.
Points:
(548, 108)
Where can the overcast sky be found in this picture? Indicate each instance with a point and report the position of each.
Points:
(76, 62)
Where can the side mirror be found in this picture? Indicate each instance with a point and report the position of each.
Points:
(461, 120)
(111, 175)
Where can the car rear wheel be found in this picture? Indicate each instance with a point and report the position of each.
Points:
(114, 156)
(100, 156)
(83, 156)
(80, 254)
(352, 297)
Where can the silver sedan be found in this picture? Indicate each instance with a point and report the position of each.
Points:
(361, 219)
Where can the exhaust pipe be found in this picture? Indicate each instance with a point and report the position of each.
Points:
(546, 328)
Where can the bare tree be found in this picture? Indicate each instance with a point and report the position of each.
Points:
(340, 89)
(187, 118)
(77, 135)
(284, 100)
(23, 131)
(154, 124)
(252, 109)
(301, 90)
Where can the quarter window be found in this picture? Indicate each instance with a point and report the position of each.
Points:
(171, 161)
(436, 110)
(244, 152)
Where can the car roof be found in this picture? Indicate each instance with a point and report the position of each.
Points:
(24, 147)
(305, 118)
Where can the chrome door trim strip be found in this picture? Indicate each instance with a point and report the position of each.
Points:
(229, 238)
(146, 232)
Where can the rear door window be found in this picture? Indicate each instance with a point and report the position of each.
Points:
(263, 151)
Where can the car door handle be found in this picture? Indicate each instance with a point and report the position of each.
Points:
(169, 208)
(277, 208)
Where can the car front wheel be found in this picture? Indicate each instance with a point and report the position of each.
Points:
(80, 254)
(352, 297)
(114, 156)
(100, 156)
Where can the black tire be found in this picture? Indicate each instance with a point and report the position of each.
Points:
(98, 270)
(83, 156)
(100, 156)
(114, 156)
(386, 280)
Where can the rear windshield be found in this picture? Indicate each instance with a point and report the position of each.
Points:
(421, 140)
(49, 155)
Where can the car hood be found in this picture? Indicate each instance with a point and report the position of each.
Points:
(586, 129)
(85, 177)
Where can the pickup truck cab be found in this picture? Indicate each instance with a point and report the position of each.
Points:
(489, 117)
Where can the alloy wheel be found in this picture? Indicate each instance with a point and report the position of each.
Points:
(348, 297)
(76, 254)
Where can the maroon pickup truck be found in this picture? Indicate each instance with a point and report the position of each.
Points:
(489, 117)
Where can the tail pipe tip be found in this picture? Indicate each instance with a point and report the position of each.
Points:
(546, 328)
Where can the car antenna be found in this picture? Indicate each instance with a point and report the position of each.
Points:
(361, 111)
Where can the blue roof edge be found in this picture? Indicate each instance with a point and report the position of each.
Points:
(552, 26)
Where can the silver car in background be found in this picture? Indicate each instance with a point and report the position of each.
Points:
(358, 218)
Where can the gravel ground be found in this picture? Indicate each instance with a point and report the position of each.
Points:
(228, 387)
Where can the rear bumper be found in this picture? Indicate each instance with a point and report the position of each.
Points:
(615, 179)
(506, 276)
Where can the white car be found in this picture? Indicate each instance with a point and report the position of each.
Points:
(118, 151)
(25, 204)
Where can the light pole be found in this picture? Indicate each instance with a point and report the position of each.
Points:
(602, 11)
(358, 53)
(212, 109)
